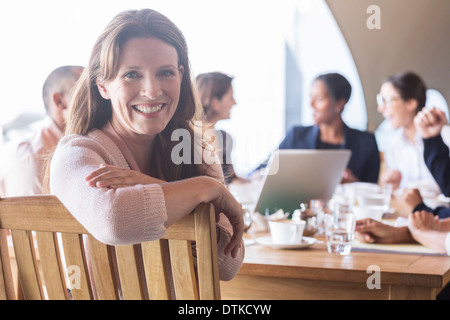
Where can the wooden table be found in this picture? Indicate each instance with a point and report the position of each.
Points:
(313, 273)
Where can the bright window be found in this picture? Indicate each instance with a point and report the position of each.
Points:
(247, 39)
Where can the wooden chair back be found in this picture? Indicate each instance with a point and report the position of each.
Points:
(58, 259)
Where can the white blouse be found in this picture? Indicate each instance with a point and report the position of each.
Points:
(407, 157)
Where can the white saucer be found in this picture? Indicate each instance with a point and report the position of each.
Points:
(267, 241)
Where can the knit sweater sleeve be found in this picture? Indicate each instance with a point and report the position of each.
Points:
(117, 217)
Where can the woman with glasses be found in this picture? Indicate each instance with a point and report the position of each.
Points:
(401, 97)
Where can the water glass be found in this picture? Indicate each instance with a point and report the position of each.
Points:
(247, 219)
(372, 212)
(339, 232)
(375, 197)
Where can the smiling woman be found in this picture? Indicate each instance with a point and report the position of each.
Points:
(116, 156)
(238, 41)
(144, 97)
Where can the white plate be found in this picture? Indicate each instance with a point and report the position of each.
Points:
(267, 241)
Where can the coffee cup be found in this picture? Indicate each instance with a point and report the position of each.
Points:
(286, 231)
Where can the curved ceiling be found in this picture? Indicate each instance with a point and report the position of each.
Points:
(413, 36)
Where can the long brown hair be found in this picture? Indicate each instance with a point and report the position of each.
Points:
(209, 86)
(90, 111)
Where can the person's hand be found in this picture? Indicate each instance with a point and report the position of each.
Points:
(348, 177)
(112, 177)
(423, 220)
(393, 177)
(226, 203)
(411, 198)
(429, 122)
(107, 176)
(373, 231)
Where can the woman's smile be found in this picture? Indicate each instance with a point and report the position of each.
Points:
(149, 110)
(145, 92)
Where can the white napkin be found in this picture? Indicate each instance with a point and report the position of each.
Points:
(260, 224)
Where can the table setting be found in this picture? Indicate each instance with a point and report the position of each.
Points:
(322, 222)
(327, 256)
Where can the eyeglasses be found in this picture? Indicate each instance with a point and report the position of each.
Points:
(382, 101)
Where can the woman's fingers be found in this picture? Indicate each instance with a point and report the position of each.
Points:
(234, 245)
(236, 239)
(95, 173)
(106, 176)
(110, 176)
(233, 211)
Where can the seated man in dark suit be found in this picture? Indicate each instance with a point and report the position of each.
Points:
(429, 123)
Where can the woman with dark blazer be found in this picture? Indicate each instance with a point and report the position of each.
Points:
(364, 164)
(329, 94)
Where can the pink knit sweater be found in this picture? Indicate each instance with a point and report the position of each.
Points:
(123, 216)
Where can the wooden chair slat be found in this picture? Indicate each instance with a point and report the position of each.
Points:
(184, 229)
(155, 267)
(104, 277)
(184, 278)
(131, 277)
(76, 267)
(3, 280)
(161, 269)
(51, 266)
(27, 265)
(55, 217)
(206, 253)
(6, 281)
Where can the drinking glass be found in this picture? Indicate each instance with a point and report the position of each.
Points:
(339, 232)
(381, 196)
(247, 219)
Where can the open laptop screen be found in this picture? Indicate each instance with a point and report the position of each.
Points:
(296, 176)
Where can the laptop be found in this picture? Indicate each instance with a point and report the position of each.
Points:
(296, 176)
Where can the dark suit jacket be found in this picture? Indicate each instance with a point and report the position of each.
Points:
(436, 156)
(364, 161)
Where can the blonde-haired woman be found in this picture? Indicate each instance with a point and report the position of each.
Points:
(115, 169)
